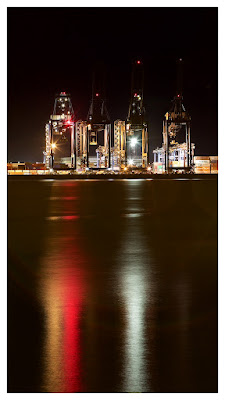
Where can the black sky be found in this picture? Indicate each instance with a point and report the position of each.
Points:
(55, 49)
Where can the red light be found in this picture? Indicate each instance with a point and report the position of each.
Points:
(97, 94)
(68, 122)
(178, 95)
(135, 94)
(138, 62)
(70, 217)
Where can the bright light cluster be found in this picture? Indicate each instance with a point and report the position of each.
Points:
(133, 142)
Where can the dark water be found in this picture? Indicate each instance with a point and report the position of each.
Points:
(112, 286)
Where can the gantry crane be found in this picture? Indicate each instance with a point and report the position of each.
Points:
(136, 153)
(174, 120)
(98, 126)
(59, 131)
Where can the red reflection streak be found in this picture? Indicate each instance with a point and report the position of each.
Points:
(73, 291)
(64, 293)
(70, 217)
(68, 184)
(63, 198)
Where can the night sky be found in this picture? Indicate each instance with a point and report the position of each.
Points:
(56, 49)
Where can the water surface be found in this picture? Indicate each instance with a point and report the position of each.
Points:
(112, 286)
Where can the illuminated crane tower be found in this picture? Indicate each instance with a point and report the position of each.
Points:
(177, 121)
(81, 128)
(136, 126)
(98, 129)
(59, 133)
(119, 150)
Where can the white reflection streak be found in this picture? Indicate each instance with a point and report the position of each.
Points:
(135, 341)
(134, 287)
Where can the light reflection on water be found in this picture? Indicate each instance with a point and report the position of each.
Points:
(134, 291)
(121, 303)
(61, 198)
(62, 294)
(62, 291)
(62, 300)
(62, 217)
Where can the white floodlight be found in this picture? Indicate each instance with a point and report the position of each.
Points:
(133, 142)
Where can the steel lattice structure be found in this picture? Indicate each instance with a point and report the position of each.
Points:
(59, 132)
(173, 122)
(136, 153)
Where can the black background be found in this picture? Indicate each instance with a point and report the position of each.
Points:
(56, 49)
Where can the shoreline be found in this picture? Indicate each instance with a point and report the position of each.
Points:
(117, 177)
